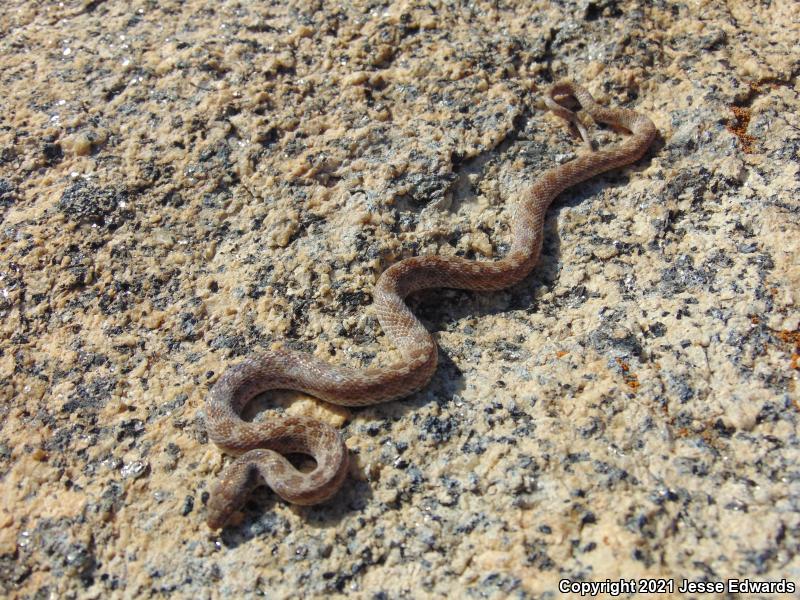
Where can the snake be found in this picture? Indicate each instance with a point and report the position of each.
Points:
(261, 447)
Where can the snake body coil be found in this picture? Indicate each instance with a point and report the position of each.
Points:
(262, 445)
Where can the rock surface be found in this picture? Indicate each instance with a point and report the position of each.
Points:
(184, 182)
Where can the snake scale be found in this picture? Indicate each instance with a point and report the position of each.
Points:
(262, 445)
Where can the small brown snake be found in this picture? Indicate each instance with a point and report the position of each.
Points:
(262, 445)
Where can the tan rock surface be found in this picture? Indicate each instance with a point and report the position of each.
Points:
(184, 182)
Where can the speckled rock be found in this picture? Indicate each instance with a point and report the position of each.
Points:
(184, 182)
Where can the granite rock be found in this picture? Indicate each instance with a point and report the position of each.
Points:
(184, 182)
